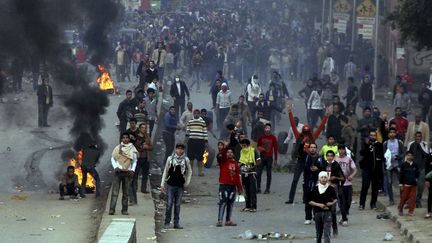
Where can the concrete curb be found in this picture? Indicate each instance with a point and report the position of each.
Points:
(414, 228)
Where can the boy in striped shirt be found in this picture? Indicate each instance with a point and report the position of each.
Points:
(196, 134)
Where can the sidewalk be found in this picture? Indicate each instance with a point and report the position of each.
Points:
(416, 228)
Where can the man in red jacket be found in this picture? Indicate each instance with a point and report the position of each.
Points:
(267, 145)
(229, 182)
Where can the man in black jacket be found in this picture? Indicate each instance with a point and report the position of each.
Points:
(409, 176)
(178, 92)
(146, 75)
(90, 158)
(124, 111)
(372, 169)
(45, 101)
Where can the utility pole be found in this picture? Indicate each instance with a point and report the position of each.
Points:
(323, 21)
(330, 20)
(353, 25)
(376, 44)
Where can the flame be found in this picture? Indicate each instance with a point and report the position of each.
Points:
(76, 163)
(105, 81)
(205, 157)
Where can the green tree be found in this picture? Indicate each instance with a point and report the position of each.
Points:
(413, 18)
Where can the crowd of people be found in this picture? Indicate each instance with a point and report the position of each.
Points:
(242, 44)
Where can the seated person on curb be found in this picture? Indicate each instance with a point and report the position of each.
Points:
(69, 184)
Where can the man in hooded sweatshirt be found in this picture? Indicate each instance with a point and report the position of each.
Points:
(123, 160)
(176, 176)
(253, 89)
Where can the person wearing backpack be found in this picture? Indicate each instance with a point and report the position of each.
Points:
(176, 176)
(349, 170)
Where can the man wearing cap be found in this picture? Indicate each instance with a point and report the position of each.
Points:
(196, 135)
(178, 92)
(223, 104)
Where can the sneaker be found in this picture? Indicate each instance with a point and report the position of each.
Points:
(125, 213)
(361, 207)
(230, 223)
(307, 222)
(374, 207)
(166, 226)
(111, 212)
(252, 210)
(177, 226)
(289, 202)
(219, 224)
(267, 192)
(61, 198)
(411, 214)
(245, 209)
(345, 223)
(427, 216)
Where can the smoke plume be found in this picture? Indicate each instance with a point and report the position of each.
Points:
(35, 28)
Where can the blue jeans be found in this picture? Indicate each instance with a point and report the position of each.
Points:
(174, 198)
(227, 196)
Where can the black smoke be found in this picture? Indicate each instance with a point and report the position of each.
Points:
(35, 28)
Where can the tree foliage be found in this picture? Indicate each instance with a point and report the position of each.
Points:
(413, 18)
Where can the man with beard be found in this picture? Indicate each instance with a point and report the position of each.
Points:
(143, 145)
(268, 147)
(372, 169)
(334, 126)
(123, 160)
(313, 163)
(304, 139)
(178, 92)
(197, 138)
(124, 111)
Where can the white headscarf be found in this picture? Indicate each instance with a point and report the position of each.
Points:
(322, 188)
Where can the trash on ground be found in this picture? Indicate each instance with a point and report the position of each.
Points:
(21, 219)
(247, 235)
(383, 216)
(151, 238)
(388, 237)
(19, 197)
(55, 215)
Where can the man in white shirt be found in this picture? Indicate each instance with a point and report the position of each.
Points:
(315, 107)
(223, 104)
(123, 160)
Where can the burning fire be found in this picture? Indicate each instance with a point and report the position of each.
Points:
(76, 163)
(105, 81)
(205, 157)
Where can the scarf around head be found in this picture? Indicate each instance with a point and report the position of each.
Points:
(178, 160)
(322, 188)
(125, 157)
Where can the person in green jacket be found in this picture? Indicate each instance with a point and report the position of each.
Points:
(331, 145)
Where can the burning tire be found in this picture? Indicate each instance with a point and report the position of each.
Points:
(210, 159)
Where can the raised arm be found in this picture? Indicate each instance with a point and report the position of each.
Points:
(322, 124)
(293, 126)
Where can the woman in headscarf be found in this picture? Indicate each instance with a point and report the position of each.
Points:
(322, 198)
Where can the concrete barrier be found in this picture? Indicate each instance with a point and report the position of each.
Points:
(120, 230)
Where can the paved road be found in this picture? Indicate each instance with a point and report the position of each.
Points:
(199, 216)
(273, 215)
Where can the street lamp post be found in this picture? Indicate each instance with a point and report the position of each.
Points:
(376, 44)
